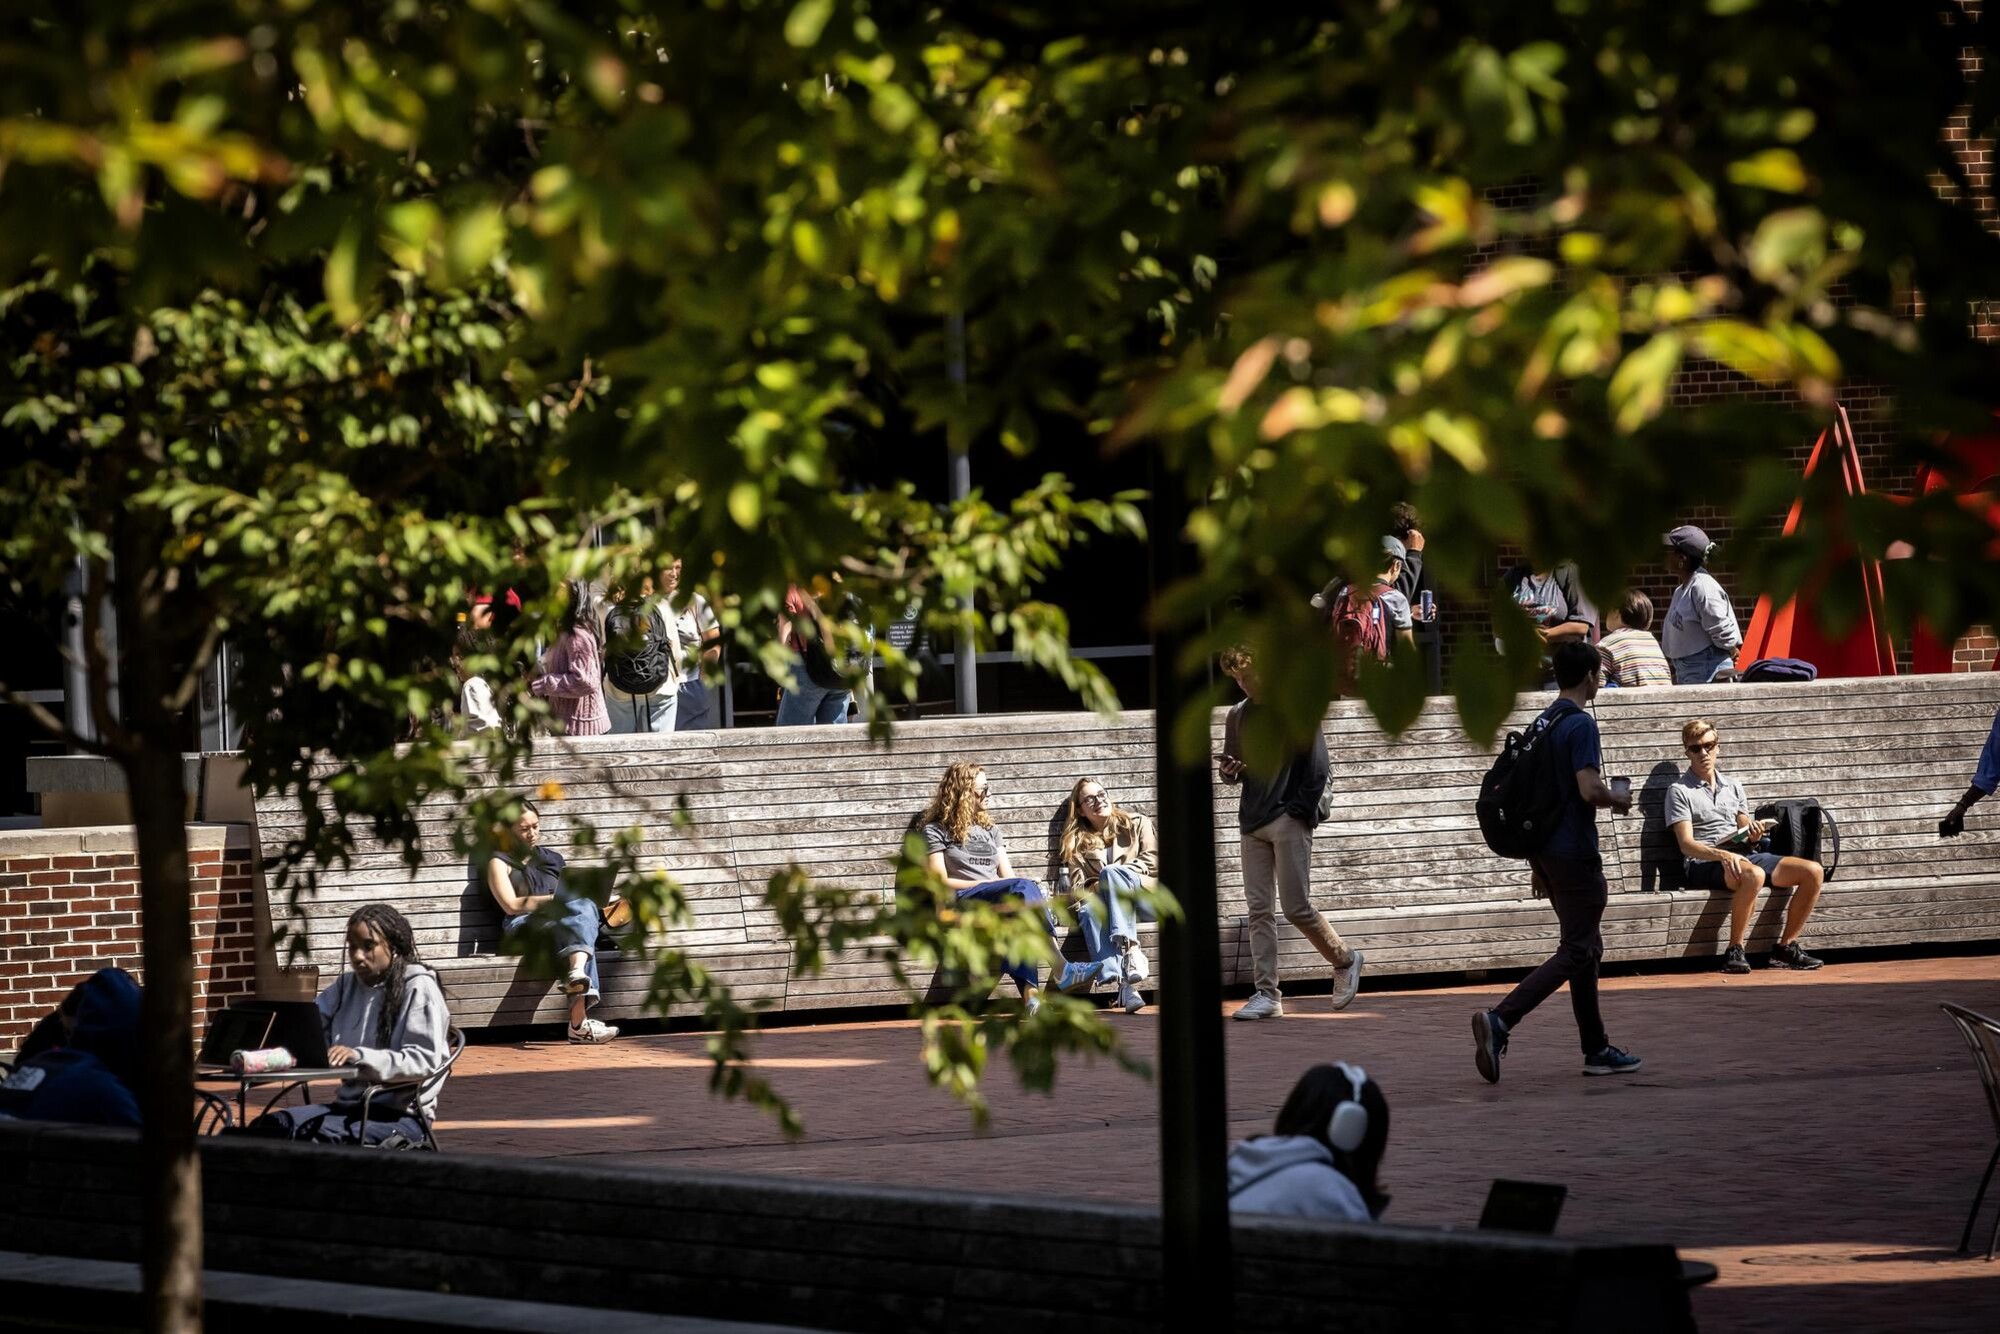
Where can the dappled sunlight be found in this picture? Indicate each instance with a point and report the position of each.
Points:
(447, 1125)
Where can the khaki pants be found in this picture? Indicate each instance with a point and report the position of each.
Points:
(1277, 868)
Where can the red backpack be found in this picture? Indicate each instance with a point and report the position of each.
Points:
(1358, 626)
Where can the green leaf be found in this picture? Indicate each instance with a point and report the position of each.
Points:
(1789, 240)
(807, 21)
(1776, 169)
(1638, 388)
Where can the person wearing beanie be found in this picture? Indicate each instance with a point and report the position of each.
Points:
(1700, 634)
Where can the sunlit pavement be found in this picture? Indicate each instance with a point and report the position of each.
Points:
(1817, 1136)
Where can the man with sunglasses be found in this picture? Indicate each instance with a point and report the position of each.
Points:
(1724, 848)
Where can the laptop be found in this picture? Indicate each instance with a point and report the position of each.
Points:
(1523, 1206)
(298, 1028)
(235, 1029)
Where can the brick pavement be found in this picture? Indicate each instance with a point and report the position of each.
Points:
(1815, 1137)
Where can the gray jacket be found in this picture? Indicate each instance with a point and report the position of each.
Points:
(419, 1042)
(1292, 1175)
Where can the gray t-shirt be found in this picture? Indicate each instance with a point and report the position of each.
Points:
(1394, 605)
(1711, 812)
(978, 858)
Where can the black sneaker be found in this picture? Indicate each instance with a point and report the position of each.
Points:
(1734, 960)
(1489, 1037)
(1791, 956)
(1611, 1061)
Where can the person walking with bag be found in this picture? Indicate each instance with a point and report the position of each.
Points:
(1277, 813)
(1569, 874)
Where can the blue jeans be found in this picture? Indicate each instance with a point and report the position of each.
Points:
(641, 713)
(806, 703)
(1110, 904)
(698, 710)
(574, 931)
(1027, 891)
(1698, 668)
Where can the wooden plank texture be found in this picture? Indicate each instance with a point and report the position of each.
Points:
(1400, 866)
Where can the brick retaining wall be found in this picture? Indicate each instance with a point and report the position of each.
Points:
(69, 905)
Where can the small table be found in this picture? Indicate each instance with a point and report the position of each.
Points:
(280, 1078)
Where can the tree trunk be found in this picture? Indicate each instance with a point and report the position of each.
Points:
(1198, 1270)
(170, 1256)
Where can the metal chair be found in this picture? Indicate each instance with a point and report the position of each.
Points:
(213, 1116)
(1983, 1036)
(454, 1044)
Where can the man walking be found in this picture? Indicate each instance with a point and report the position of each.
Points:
(1276, 813)
(1568, 872)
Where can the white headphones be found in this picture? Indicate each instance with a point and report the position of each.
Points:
(1349, 1123)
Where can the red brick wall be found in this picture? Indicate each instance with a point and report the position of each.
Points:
(1975, 650)
(69, 905)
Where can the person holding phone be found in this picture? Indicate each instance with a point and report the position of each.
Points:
(1722, 847)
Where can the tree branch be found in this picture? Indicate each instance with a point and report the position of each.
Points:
(51, 724)
(191, 682)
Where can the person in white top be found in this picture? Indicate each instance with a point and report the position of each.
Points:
(1700, 634)
(476, 712)
(699, 636)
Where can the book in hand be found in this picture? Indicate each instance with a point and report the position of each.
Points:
(1742, 836)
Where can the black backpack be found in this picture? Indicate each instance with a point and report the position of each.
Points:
(638, 658)
(1522, 797)
(1803, 828)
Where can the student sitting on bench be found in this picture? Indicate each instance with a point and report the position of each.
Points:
(531, 876)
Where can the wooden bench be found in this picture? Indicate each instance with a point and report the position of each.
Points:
(822, 1255)
(1400, 868)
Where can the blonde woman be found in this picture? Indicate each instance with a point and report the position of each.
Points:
(968, 854)
(1109, 853)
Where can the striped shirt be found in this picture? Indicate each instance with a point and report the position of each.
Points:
(1633, 658)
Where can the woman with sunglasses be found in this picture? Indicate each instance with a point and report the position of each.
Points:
(967, 853)
(1109, 854)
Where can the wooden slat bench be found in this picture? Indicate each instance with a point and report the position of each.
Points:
(826, 1256)
(1399, 869)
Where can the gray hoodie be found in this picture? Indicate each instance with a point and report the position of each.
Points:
(1292, 1175)
(419, 1042)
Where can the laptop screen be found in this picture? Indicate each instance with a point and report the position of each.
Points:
(232, 1031)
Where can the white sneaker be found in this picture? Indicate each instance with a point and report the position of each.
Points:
(1136, 966)
(1347, 981)
(1129, 997)
(1034, 1006)
(1261, 1006)
(592, 1032)
(577, 983)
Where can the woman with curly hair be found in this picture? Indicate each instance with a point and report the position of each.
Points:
(967, 853)
(387, 1019)
(1107, 855)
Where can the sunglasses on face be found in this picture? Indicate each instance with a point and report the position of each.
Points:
(1094, 798)
(1701, 747)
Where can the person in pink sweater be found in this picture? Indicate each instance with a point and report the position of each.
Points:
(572, 677)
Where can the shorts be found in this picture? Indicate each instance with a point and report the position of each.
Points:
(1709, 875)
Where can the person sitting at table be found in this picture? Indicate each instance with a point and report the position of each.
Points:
(386, 1017)
(92, 1078)
(531, 876)
(1115, 853)
(1322, 1155)
(967, 853)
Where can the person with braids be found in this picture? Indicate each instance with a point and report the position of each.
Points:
(967, 853)
(387, 1018)
(1109, 850)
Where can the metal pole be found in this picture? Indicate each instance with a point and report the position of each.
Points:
(1195, 1252)
(965, 659)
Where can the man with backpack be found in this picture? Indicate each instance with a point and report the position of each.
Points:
(1365, 623)
(642, 664)
(1541, 802)
(1277, 813)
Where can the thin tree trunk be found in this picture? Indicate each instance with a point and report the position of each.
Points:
(171, 1244)
(1197, 1267)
